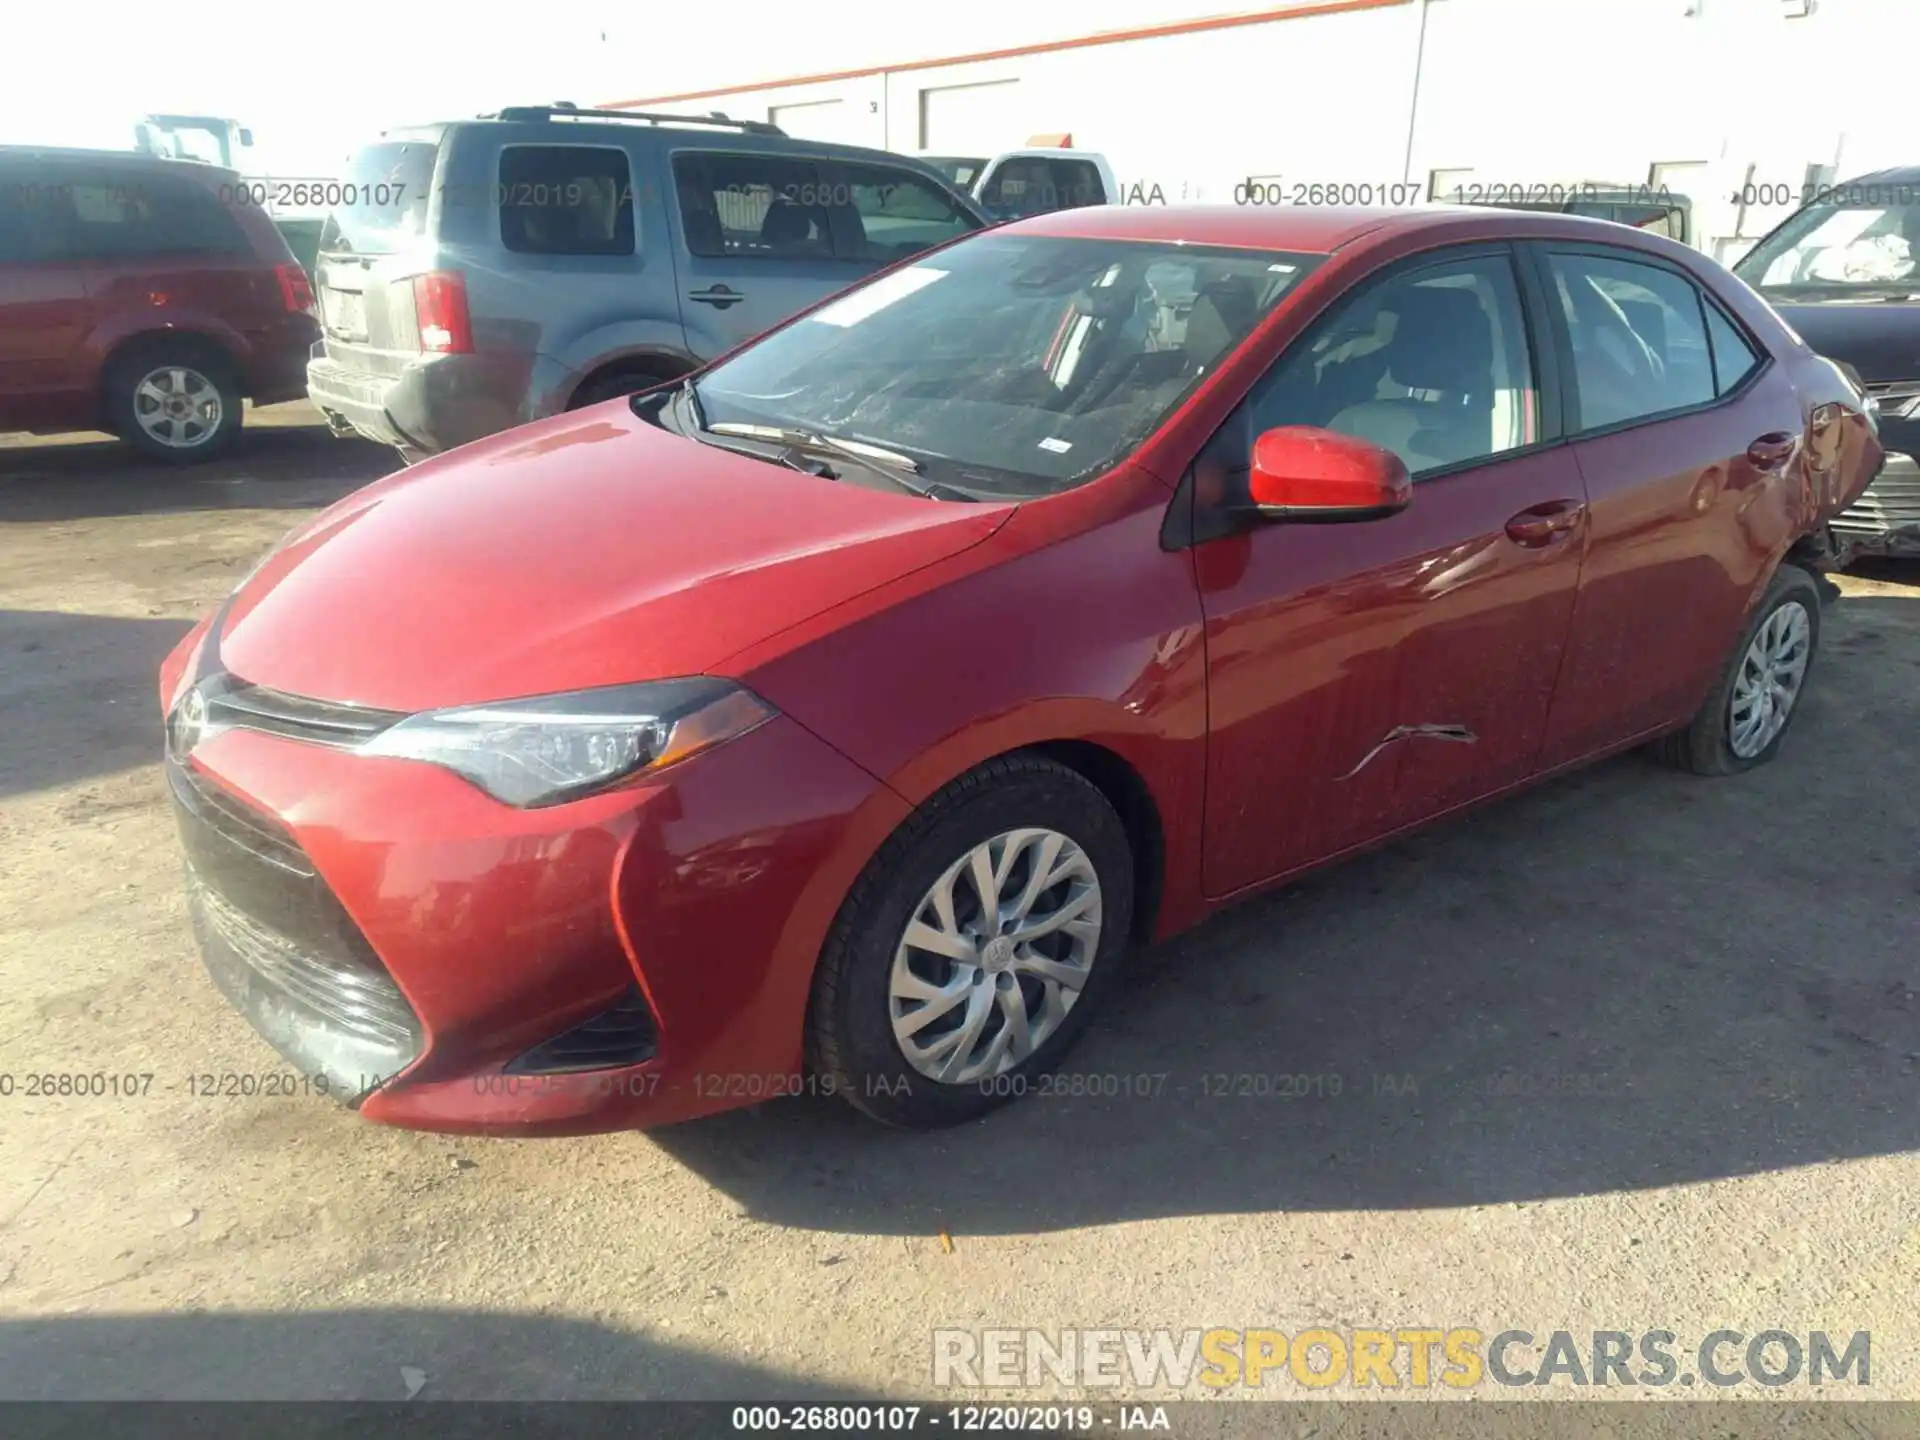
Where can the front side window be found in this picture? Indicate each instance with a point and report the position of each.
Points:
(565, 200)
(743, 206)
(899, 213)
(1009, 364)
(1839, 250)
(1639, 338)
(1432, 365)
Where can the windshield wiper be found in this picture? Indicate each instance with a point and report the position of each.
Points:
(691, 394)
(890, 463)
(860, 449)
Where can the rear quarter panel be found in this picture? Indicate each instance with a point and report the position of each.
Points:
(233, 299)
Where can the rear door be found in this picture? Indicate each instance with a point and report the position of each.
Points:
(1687, 438)
(756, 241)
(44, 311)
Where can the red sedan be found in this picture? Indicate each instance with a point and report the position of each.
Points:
(837, 720)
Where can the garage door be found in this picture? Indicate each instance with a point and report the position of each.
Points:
(970, 119)
(830, 120)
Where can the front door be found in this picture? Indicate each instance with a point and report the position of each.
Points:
(756, 245)
(1366, 676)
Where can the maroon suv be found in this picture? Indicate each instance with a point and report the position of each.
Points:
(145, 297)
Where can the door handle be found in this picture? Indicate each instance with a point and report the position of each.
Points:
(718, 296)
(1773, 449)
(1546, 524)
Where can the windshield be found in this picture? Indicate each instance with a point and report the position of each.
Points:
(1835, 249)
(1008, 364)
(960, 170)
(383, 197)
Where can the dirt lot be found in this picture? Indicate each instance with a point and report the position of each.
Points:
(1702, 994)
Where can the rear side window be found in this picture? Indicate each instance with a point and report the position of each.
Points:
(770, 207)
(1079, 183)
(34, 213)
(566, 200)
(127, 215)
(1639, 338)
(900, 213)
(1734, 357)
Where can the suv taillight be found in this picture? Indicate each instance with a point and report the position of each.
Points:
(294, 288)
(440, 306)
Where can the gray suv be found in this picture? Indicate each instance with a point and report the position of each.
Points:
(482, 273)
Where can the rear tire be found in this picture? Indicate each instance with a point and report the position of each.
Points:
(1750, 710)
(174, 400)
(1011, 1006)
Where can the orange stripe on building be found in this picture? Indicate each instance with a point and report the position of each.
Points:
(1045, 47)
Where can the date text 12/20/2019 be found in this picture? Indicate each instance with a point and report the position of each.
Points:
(962, 1419)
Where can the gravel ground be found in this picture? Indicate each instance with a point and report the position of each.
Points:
(1635, 1051)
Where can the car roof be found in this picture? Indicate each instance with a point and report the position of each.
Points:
(1897, 175)
(1321, 230)
(76, 155)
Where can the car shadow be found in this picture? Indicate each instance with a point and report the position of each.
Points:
(371, 1356)
(270, 467)
(79, 695)
(1625, 978)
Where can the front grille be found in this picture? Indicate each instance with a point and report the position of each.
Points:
(1890, 504)
(233, 703)
(1894, 395)
(239, 824)
(281, 946)
(615, 1038)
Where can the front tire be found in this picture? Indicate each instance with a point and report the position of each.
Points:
(1745, 719)
(932, 1004)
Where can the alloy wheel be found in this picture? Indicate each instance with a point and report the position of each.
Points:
(997, 952)
(1771, 673)
(178, 406)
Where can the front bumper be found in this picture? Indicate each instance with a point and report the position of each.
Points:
(501, 952)
(1885, 520)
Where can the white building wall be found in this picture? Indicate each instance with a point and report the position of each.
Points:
(1723, 94)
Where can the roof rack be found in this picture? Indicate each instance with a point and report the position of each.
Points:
(561, 110)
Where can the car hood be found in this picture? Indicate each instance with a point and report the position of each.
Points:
(1880, 339)
(590, 549)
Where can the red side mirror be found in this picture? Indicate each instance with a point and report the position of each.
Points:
(1303, 473)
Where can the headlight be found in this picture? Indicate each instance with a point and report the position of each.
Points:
(560, 747)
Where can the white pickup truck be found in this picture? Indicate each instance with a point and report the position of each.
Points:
(1016, 183)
